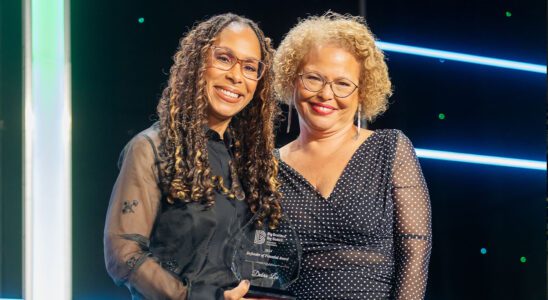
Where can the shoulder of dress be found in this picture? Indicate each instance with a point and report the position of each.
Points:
(392, 138)
(400, 136)
(144, 144)
(389, 133)
(397, 139)
(388, 130)
(152, 134)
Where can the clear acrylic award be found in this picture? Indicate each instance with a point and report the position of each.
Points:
(269, 258)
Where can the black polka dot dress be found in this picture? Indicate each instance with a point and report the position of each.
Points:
(371, 239)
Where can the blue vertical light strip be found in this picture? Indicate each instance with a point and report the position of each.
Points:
(467, 58)
(47, 183)
(482, 159)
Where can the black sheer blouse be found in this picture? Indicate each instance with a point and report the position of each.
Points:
(371, 238)
(174, 251)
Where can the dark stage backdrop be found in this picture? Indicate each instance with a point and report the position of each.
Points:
(120, 67)
(11, 138)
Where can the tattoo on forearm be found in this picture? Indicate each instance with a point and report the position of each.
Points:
(128, 206)
(132, 261)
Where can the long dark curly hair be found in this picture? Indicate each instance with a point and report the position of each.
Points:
(182, 111)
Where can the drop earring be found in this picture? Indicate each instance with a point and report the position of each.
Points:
(359, 122)
(290, 111)
(289, 115)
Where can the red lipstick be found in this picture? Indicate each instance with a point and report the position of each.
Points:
(322, 109)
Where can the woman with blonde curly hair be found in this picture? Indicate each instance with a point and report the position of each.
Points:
(356, 197)
(191, 180)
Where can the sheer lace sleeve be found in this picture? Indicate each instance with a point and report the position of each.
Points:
(132, 210)
(412, 223)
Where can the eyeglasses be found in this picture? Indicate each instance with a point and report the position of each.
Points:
(224, 59)
(341, 87)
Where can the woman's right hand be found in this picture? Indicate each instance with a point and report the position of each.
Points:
(238, 292)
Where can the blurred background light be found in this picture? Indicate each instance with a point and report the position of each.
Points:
(47, 148)
(481, 159)
(467, 58)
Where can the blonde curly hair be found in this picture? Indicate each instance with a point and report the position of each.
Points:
(349, 32)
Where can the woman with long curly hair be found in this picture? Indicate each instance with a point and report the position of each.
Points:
(191, 180)
(356, 197)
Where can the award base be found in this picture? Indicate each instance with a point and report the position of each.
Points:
(269, 293)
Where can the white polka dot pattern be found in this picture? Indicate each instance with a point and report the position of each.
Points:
(371, 239)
